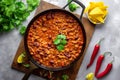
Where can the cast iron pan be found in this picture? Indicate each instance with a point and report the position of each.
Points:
(26, 34)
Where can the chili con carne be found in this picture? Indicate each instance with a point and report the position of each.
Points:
(44, 30)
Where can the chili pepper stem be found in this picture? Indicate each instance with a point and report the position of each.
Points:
(106, 53)
(112, 60)
(100, 41)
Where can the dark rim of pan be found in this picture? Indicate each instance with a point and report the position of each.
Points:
(27, 49)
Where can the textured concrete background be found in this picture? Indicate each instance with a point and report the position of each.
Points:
(9, 43)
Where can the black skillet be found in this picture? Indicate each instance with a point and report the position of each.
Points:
(36, 65)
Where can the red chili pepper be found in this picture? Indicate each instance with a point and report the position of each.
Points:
(99, 62)
(106, 71)
(95, 51)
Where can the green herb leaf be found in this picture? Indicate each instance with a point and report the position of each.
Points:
(22, 30)
(11, 25)
(57, 41)
(5, 27)
(26, 65)
(17, 23)
(72, 6)
(61, 36)
(14, 12)
(60, 41)
(63, 42)
(30, 8)
(60, 47)
(9, 10)
(21, 6)
(32, 4)
(7, 2)
(65, 77)
(24, 17)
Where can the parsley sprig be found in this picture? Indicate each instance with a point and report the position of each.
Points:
(14, 12)
(60, 41)
(72, 6)
(65, 77)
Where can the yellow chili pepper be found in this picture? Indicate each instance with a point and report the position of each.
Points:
(90, 76)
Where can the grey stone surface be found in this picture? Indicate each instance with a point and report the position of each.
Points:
(110, 30)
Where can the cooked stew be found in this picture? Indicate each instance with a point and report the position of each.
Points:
(42, 34)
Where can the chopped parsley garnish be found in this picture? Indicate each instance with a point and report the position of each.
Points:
(60, 41)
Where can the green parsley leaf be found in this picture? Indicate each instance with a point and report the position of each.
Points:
(60, 41)
(17, 23)
(32, 4)
(65, 77)
(30, 8)
(26, 15)
(72, 6)
(21, 6)
(5, 27)
(61, 36)
(14, 12)
(57, 41)
(60, 47)
(26, 65)
(9, 10)
(63, 42)
(11, 25)
(8, 2)
(22, 30)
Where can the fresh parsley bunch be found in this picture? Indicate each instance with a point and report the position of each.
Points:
(14, 12)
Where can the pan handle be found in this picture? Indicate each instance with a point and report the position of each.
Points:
(27, 75)
(30, 71)
(78, 2)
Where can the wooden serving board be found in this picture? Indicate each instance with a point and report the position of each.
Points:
(72, 71)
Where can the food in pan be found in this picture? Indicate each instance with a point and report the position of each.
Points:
(42, 34)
